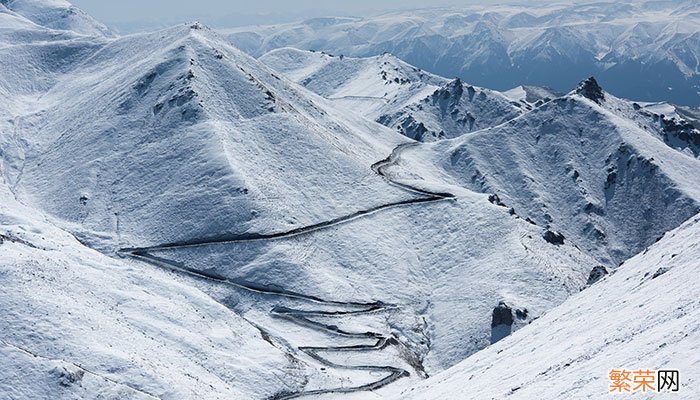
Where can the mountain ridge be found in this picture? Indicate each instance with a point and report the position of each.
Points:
(501, 47)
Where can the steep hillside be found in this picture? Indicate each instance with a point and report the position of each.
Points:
(180, 221)
(416, 104)
(608, 174)
(452, 111)
(618, 322)
(78, 324)
(274, 208)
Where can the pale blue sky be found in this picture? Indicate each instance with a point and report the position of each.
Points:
(130, 15)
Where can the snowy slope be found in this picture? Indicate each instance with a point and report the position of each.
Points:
(629, 45)
(444, 265)
(57, 15)
(79, 324)
(531, 96)
(336, 76)
(175, 139)
(176, 126)
(619, 322)
(416, 104)
(606, 173)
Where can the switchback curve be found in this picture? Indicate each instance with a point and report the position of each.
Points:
(302, 317)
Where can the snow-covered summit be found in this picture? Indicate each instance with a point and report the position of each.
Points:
(58, 15)
(201, 128)
(417, 104)
(590, 89)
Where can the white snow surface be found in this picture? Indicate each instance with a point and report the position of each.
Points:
(140, 175)
(154, 138)
(57, 15)
(79, 324)
(176, 126)
(600, 173)
(417, 104)
(643, 316)
(531, 94)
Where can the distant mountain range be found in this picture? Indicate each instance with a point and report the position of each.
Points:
(647, 51)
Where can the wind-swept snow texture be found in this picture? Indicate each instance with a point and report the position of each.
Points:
(644, 315)
(79, 324)
(645, 50)
(415, 103)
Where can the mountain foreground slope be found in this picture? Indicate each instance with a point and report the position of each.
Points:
(620, 322)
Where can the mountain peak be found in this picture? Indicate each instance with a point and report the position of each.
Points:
(590, 89)
(197, 26)
(58, 15)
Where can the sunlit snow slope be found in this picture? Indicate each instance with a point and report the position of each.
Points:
(57, 15)
(645, 315)
(175, 135)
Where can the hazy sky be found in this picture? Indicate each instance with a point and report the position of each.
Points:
(129, 15)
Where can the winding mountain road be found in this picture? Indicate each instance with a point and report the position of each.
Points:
(304, 318)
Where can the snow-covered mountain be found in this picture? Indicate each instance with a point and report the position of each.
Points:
(263, 199)
(78, 324)
(586, 165)
(417, 104)
(643, 50)
(179, 220)
(173, 114)
(57, 15)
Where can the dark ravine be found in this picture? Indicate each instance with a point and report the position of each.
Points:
(303, 317)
